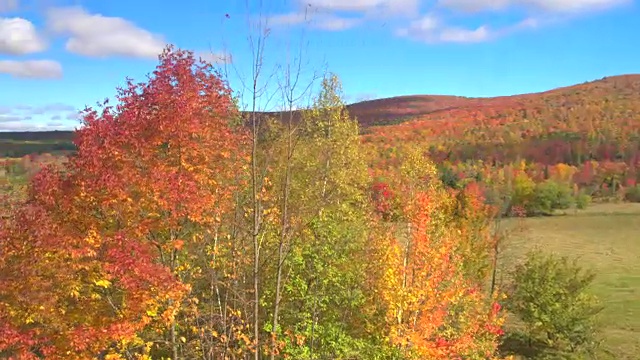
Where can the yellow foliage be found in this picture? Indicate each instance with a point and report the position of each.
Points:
(103, 283)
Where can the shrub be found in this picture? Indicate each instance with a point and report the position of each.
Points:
(582, 200)
(548, 295)
(632, 193)
(523, 191)
(549, 195)
(449, 178)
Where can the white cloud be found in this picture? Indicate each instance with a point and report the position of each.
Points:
(215, 57)
(332, 23)
(431, 29)
(365, 6)
(47, 108)
(35, 110)
(475, 5)
(557, 6)
(460, 35)
(50, 116)
(96, 35)
(293, 18)
(322, 21)
(330, 15)
(404, 16)
(73, 115)
(4, 118)
(34, 69)
(19, 36)
(28, 126)
(8, 5)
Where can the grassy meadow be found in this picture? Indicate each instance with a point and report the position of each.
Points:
(606, 238)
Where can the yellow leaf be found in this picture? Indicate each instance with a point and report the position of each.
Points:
(75, 293)
(103, 283)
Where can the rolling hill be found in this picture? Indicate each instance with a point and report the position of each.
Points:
(608, 104)
(598, 120)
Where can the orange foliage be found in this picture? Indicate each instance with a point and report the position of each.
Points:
(436, 310)
(89, 260)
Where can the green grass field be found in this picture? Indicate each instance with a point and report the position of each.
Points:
(605, 237)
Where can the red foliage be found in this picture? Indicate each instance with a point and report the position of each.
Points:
(383, 199)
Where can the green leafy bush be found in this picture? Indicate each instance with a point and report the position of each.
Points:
(632, 194)
(449, 178)
(548, 196)
(548, 294)
(523, 190)
(582, 200)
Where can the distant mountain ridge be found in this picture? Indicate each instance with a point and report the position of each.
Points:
(399, 109)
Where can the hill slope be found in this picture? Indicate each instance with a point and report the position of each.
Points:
(596, 120)
(615, 88)
(608, 104)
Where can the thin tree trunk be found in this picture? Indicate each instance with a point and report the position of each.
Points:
(283, 236)
(495, 265)
(255, 238)
(255, 200)
(174, 343)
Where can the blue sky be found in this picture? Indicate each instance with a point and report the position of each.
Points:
(56, 56)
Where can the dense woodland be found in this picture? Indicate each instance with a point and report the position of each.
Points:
(183, 228)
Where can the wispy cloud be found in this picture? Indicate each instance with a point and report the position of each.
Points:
(432, 29)
(13, 118)
(215, 57)
(52, 116)
(31, 69)
(322, 21)
(39, 126)
(551, 6)
(389, 7)
(427, 21)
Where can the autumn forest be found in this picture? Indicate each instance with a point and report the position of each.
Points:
(175, 224)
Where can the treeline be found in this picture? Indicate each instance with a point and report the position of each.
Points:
(17, 144)
(51, 136)
(17, 149)
(525, 188)
(178, 234)
(540, 189)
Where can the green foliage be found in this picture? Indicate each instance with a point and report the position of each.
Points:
(324, 292)
(549, 196)
(582, 200)
(523, 190)
(549, 295)
(449, 178)
(632, 194)
(541, 198)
